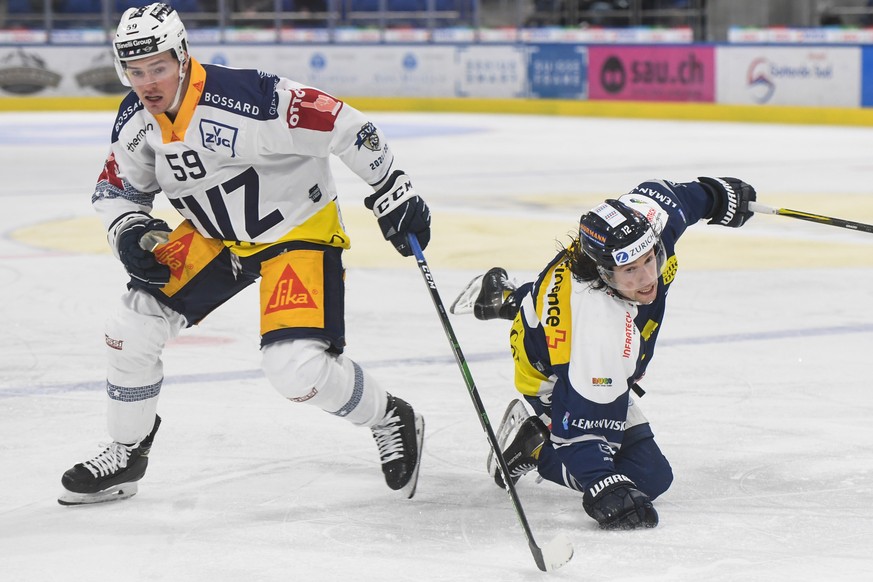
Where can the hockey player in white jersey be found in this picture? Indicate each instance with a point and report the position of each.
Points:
(582, 336)
(243, 156)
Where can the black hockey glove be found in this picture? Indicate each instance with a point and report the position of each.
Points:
(141, 264)
(731, 199)
(400, 211)
(616, 503)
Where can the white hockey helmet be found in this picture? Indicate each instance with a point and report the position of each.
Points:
(146, 31)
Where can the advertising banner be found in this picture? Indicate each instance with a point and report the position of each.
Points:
(651, 73)
(405, 70)
(491, 71)
(867, 77)
(397, 70)
(558, 71)
(57, 71)
(804, 75)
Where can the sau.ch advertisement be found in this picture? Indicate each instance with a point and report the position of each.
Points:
(652, 73)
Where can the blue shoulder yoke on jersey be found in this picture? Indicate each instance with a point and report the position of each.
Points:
(129, 106)
(246, 92)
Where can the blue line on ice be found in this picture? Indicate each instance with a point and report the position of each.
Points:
(200, 378)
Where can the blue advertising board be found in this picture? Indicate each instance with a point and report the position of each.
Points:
(558, 71)
(867, 76)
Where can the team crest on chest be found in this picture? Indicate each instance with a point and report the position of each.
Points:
(218, 137)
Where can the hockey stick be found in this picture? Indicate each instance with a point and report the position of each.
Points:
(764, 209)
(557, 552)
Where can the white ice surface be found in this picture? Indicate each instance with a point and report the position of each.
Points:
(760, 393)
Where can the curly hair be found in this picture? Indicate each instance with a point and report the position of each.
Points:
(583, 267)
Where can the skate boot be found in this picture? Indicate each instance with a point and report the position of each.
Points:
(400, 438)
(111, 475)
(523, 453)
(489, 296)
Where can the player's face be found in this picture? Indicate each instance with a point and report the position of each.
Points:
(155, 80)
(638, 281)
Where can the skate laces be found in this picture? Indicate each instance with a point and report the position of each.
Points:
(463, 304)
(507, 285)
(388, 437)
(113, 457)
(521, 470)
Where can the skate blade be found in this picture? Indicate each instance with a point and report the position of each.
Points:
(116, 493)
(463, 304)
(515, 414)
(408, 490)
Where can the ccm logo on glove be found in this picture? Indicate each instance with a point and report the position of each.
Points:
(400, 212)
(390, 200)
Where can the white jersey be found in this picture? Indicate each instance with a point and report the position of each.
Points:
(246, 160)
(588, 335)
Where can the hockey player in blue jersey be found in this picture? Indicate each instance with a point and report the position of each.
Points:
(582, 336)
(244, 157)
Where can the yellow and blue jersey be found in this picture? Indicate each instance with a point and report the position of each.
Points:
(583, 348)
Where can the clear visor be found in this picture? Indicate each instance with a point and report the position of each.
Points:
(638, 275)
(140, 74)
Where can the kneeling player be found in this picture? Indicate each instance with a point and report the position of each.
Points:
(582, 336)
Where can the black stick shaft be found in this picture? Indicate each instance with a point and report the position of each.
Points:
(800, 215)
(477, 401)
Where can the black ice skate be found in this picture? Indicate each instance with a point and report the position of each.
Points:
(489, 296)
(400, 438)
(111, 475)
(523, 453)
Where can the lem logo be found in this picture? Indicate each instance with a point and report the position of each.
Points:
(218, 137)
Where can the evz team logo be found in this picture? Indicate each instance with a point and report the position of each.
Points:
(368, 138)
(218, 137)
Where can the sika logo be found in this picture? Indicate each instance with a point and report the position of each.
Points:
(290, 293)
(217, 137)
(759, 81)
(174, 254)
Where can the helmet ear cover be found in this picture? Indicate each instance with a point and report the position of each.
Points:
(148, 31)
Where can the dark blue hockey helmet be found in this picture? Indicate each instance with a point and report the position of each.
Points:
(613, 234)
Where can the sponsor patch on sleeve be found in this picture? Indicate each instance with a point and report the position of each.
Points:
(312, 109)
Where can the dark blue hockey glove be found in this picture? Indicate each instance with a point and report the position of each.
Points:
(616, 503)
(731, 199)
(141, 264)
(400, 211)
